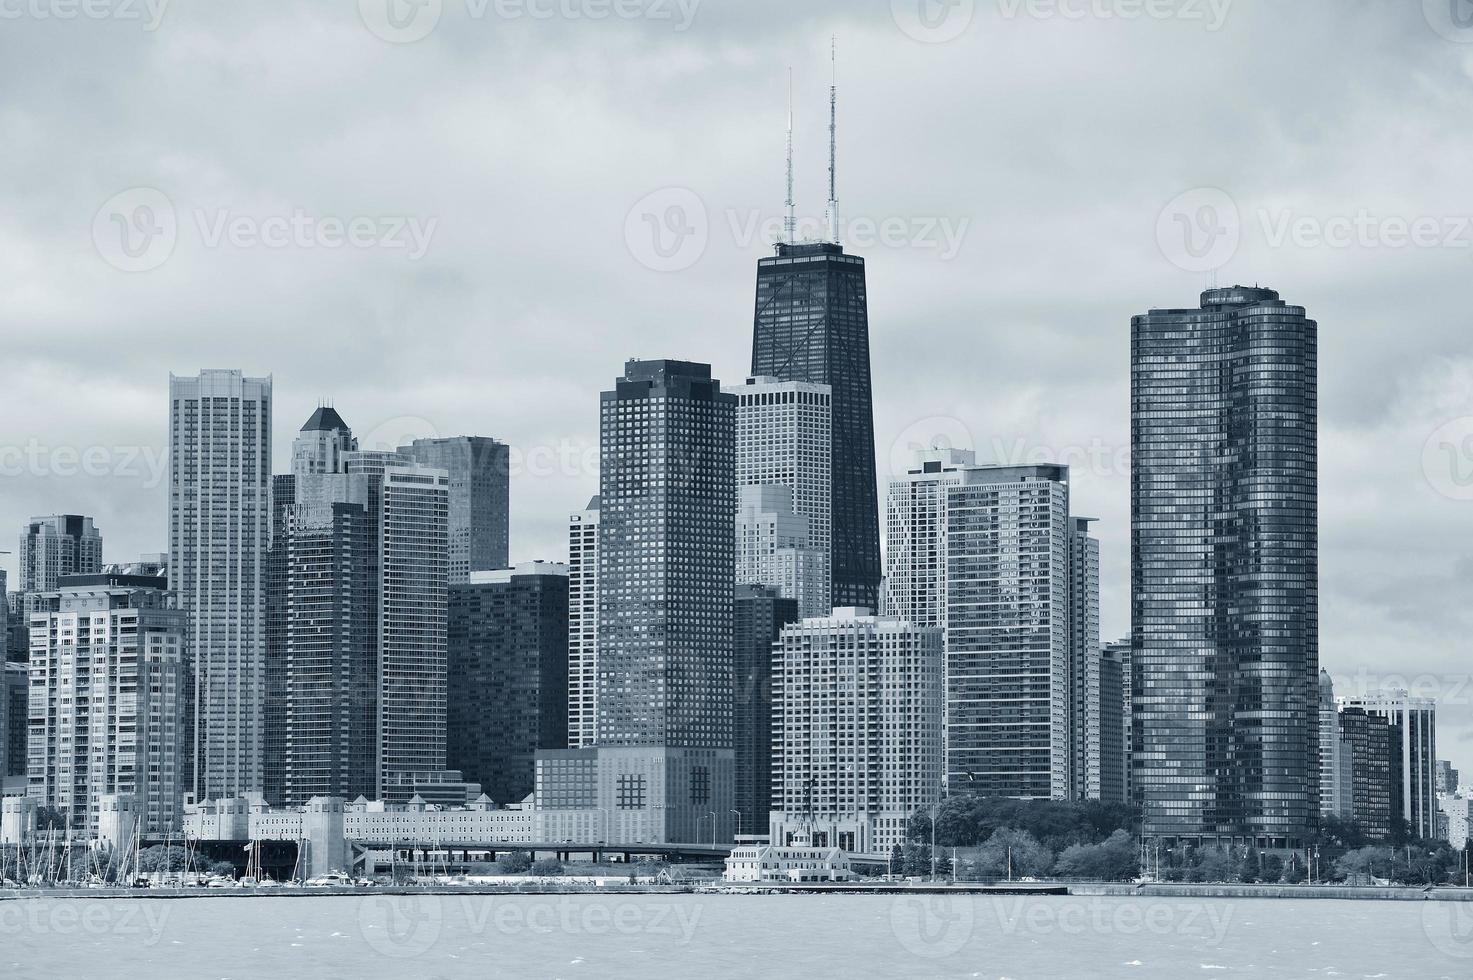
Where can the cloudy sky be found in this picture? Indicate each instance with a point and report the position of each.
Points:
(461, 216)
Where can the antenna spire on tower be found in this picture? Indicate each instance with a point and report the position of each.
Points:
(790, 222)
(833, 209)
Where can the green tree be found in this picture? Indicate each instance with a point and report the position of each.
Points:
(1015, 849)
(1114, 859)
(547, 867)
(514, 863)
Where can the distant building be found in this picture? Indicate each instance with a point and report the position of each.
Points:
(219, 534)
(811, 324)
(1456, 809)
(1114, 724)
(1365, 746)
(583, 626)
(1413, 756)
(1447, 777)
(1088, 700)
(773, 548)
(508, 675)
(480, 474)
(15, 693)
(1333, 768)
(915, 528)
(661, 768)
(109, 687)
(1225, 570)
(784, 436)
(761, 612)
(413, 612)
(862, 730)
(50, 547)
(321, 622)
(1008, 631)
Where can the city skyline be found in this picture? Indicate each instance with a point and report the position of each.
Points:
(1048, 375)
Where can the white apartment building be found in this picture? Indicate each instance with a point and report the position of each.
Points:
(583, 626)
(107, 701)
(219, 531)
(784, 438)
(861, 717)
(773, 548)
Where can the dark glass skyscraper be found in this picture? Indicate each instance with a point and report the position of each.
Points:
(507, 652)
(812, 324)
(1224, 569)
(761, 612)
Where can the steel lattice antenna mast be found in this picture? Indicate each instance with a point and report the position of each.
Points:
(790, 223)
(833, 139)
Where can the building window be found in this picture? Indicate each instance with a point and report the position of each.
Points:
(631, 792)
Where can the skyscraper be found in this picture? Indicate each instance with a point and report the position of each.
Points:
(219, 531)
(1224, 569)
(50, 547)
(1114, 724)
(662, 764)
(666, 575)
(583, 626)
(508, 675)
(321, 646)
(479, 471)
(773, 548)
(761, 613)
(107, 699)
(413, 549)
(915, 535)
(1008, 631)
(784, 437)
(1365, 749)
(1088, 700)
(811, 324)
(861, 719)
(1412, 756)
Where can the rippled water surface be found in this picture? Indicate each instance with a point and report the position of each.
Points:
(676, 936)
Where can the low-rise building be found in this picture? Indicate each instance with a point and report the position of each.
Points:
(771, 862)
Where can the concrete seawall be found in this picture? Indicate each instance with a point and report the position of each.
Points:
(1205, 890)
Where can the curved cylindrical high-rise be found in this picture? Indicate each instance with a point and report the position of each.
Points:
(1224, 569)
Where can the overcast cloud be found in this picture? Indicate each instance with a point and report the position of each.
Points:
(444, 217)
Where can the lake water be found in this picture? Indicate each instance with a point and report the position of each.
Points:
(709, 936)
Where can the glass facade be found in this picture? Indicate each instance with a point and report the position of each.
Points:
(666, 578)
(1224, 569)
(812, 324)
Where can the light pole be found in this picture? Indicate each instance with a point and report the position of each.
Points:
(933, 843)
(738, 821)
(713, 829)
